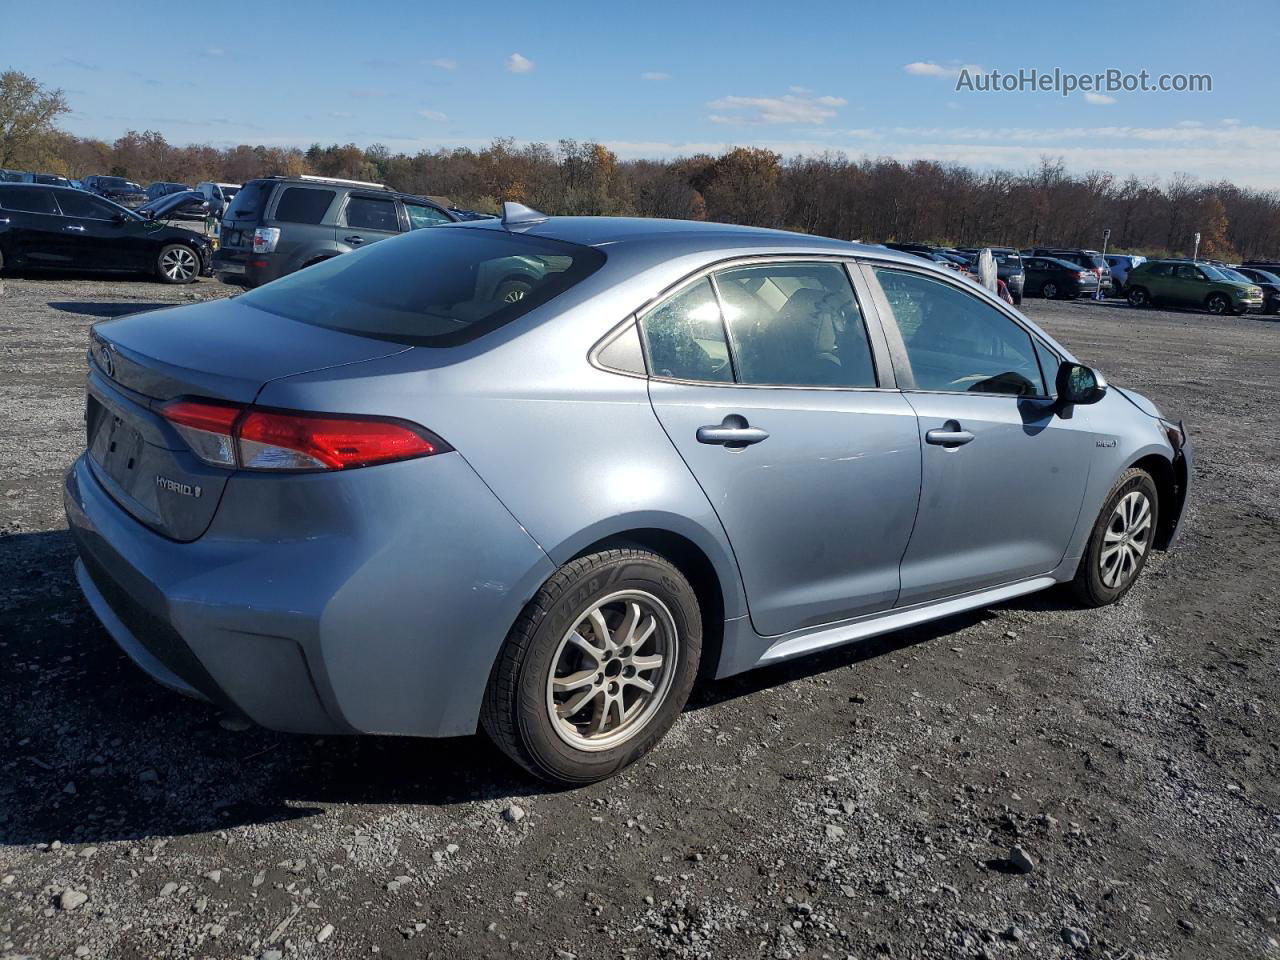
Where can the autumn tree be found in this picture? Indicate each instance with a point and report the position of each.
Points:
(28, 114)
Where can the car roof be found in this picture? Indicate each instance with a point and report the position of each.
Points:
(692, 236)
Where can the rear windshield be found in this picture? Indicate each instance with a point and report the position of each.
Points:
(252, 199)
(434, 288)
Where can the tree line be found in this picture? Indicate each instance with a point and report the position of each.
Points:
(872, 199)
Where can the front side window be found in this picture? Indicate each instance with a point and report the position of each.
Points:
(85, 206)
(373, 213)
(303, 205)
(424, 215)
(955, 342)
(796, 325)
(684, 336)
(1188, 272)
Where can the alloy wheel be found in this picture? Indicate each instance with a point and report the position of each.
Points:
(178, 263)
(612, 670)
(1218, 305)
(1050, 291)
(1126, 540)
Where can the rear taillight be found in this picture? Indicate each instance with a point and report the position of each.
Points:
(226, 435)
(1084, 274)
(265, 239)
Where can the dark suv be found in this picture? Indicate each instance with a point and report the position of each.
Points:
(117, 189)
(1089, 259)
(277, 225)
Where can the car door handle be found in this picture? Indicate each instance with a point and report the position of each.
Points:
(76, 227)
(355, 238)
(733, 431)
(949, 436)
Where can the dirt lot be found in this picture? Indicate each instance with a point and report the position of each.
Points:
(863, 803)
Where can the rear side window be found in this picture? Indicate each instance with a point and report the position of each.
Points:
(796, 324)
(303, 205)
(431, 288)
(685, 336)
(424, 215)
(373, 213)
(28, 200)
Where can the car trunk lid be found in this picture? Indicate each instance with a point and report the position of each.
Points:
(220, 350)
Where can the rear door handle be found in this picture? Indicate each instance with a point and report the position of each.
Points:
(75, 226)
(733, 431)
(951, 435)
(354, 239)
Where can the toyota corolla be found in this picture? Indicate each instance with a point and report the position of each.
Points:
(537, 475)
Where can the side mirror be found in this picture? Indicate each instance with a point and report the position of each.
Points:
(1078, 384)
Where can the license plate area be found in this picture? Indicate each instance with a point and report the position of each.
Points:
(114, 444)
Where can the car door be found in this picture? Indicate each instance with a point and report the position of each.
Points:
(32, 227)
(1188, 285)
(796, 433)
(365, 219)
(93, 234)
(1003, 475)
(1034, 274)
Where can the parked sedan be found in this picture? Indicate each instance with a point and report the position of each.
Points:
(356, 499)
(118, 190)
(1186, 283)
(61, 228)
(1056, 279)
(1268, 281)
(51, 179)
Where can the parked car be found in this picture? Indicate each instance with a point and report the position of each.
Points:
(189, 205)
(61, 228)
(51, 179)
(1121, 264)
(117, 189)
(11, 176)
(281, 224)
(1089, 259)
(1185, 283)
(357, 499)
(1268, 281)
(1056, 279)
(1009, 268)
(219, 195)
(162, 188)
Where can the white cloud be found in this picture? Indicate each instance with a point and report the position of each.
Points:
(518, 63)
(214, 52)
(1190, 123)
(444, 63)
(1098, 99)
(655, 75)
(365, 93)
(791, 109)
(432, 115)
(1230, 122)
(928, 68)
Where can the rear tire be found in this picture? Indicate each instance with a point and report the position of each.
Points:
(1049, 290)
(1138, 297)
(1120, 542)
(177, 263)
(566, 698)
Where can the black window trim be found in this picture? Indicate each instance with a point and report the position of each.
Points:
(898, 346)
(877, 341)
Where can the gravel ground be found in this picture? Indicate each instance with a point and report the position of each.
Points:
(1026, 781)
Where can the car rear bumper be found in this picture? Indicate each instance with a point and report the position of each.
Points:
(385, 619)
(245, 268)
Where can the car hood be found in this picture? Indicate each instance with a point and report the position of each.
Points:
(1139, 401)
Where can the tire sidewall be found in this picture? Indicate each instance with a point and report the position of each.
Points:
(549, 752)
(1090, 578)
(164, 278)
(1138, 297)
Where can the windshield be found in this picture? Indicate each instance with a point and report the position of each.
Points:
(230, 192)
(1233, 275)
(436, 287)
(1267, 277)
(1213, 273)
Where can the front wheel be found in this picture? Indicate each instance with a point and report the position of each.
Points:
(177, 263)
(1049, 291)
(1120, 542)
(597, 668)
(1138, 297)
(1218, 305)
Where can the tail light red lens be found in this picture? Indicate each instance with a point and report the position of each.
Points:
(226, 435)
